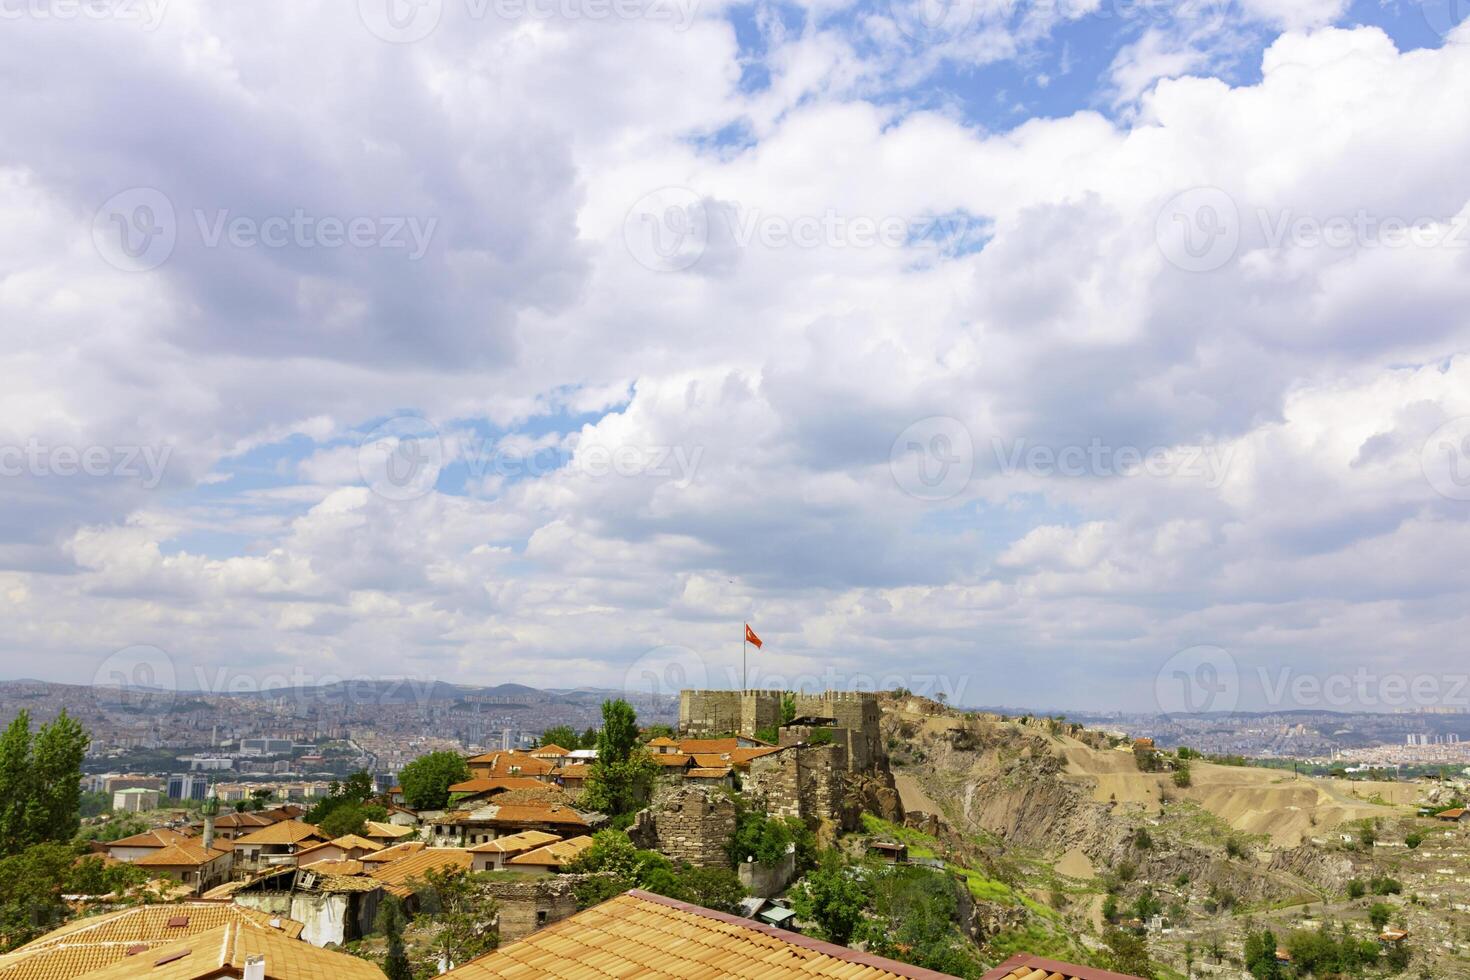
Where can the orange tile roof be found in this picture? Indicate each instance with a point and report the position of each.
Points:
(648, 936)
(329, 866)
(396, 875)
(347, 842)
(710, 772)
(1025, 966)
(162, 837)
(552, 749)
(710, 760)
(212, 954)
(539, 814)
(1454, 814)
(740, 758)
(526, 840)
(394, 853)
(94, 942)
(184, 854)
(511, 764)
(285, 832)
(390, 830)
(693, 746)
(663, 741)
(491, 784)
(672, 760)
(555, 855)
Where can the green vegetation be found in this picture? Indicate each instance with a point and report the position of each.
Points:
(390, 922)
(564, 736)
(621, 780)
(622, 866)
(40, 782)
(426, 780)
(463, 919)
(833, 897)
(766, 839)
(346, 808)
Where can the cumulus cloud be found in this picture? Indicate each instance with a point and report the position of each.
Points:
(1197, 348)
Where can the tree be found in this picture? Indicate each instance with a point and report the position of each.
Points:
(621, 779)
(1260, 956)
(1127, 953)
(788, 708)
(464, 919)
(1413, 839)
(40, 782)
(350, 818)
(390, 923)
(426, 780)
(562, 735)
(833, 898)
(913, 913)
(1379, 915)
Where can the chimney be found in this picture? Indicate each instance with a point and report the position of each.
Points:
(254, 968)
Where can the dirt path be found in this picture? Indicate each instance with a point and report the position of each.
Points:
(913, 796)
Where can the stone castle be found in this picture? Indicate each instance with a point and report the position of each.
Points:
(853, 718)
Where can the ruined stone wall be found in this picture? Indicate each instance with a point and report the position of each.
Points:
(695, 825)
(800, 782)
(859, 719)
(528, 905)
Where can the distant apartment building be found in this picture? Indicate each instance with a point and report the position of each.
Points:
(187, 786)
(112, 782)
(135, 800)
(210, 763)
(266, 746)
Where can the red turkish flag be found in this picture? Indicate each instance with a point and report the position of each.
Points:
(750, 636)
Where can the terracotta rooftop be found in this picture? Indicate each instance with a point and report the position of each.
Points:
(707, 772)
(526, 840)
(1024, 966)
(184, 854)
(395, 853)
(495, 784)
(285, 832)
(222, 953)
(719, 746)
(554, 855)
(327, 866)
(552, 749)
(662, 742)
(162, 837)
(392, 830)
(396, 875)
(99, 941)
(639, 934)
(512, 764)
(348, 842)
(672, 759)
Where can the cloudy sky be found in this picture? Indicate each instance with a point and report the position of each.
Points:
(1088, 353)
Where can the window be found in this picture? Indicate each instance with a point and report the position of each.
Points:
(540, 918)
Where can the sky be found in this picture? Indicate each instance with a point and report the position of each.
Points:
(1093, 353)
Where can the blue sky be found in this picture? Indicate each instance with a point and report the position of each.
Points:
(1011, 352)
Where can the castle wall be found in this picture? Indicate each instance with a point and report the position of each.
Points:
(724, 712)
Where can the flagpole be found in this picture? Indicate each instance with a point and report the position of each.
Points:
(744, 642)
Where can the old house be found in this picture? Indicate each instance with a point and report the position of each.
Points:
(347, 848)
(466, 828)
(331, 908)
(274, 846)
(509, 763)
(492, 855)
(190, 863)
(552, 857)
(139, 846)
